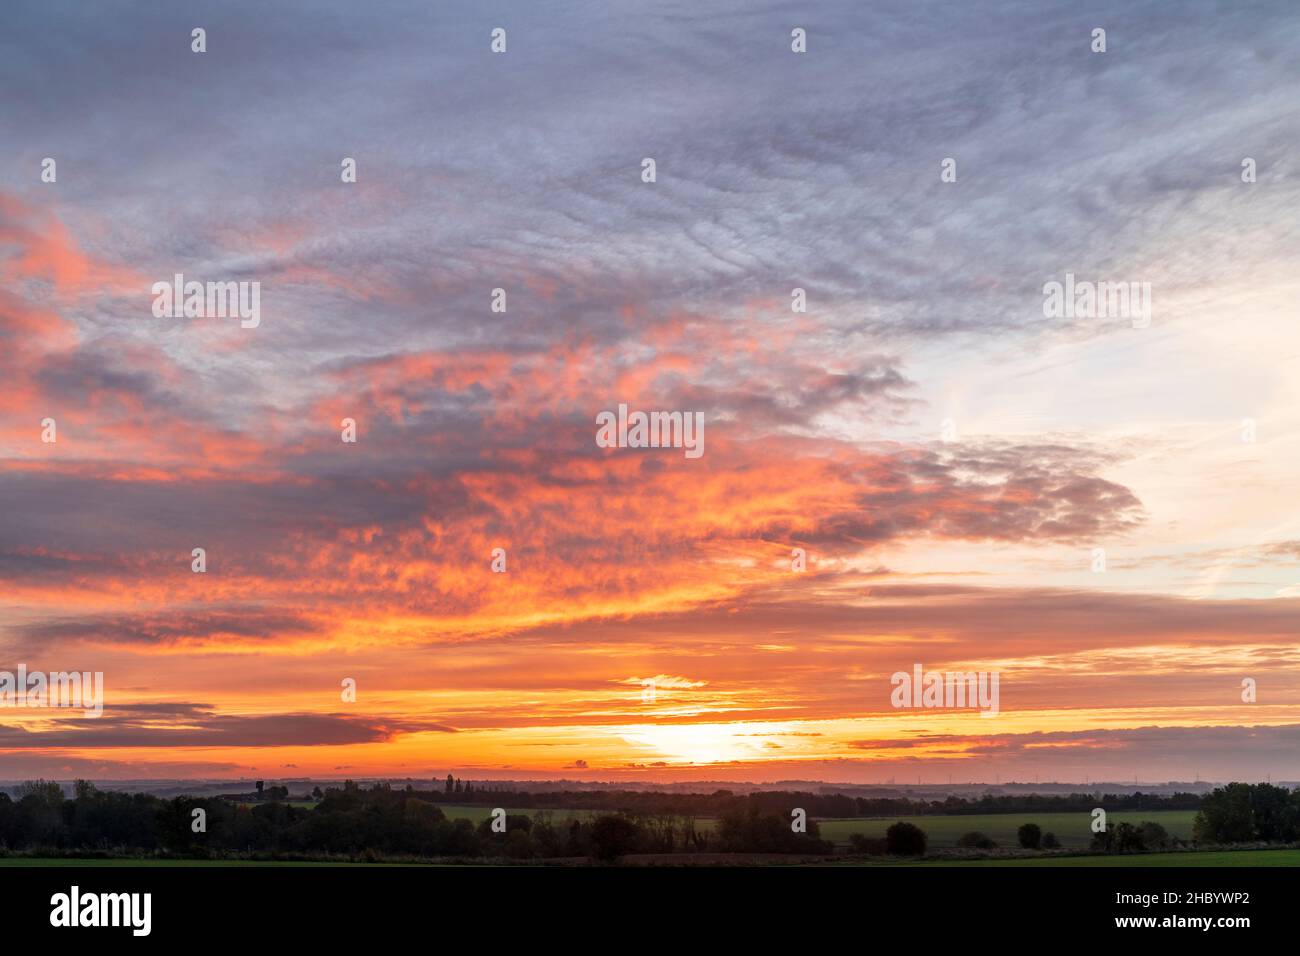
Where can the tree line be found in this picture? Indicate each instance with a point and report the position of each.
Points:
(830, 805)
(382, 822)
(373, 823)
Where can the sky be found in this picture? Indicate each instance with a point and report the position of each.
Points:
(1099, 510)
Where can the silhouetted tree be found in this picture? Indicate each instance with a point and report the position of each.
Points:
(1119, 838)
(1154, 836)
(863, 845)
(1030, 836)
(1241, 812)
(905, 839)
(613, 836)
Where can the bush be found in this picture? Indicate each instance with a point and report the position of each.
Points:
(1154, 836)
(861, 845)
(1120, 838)
(977, 840)
(905, 839)
(1030, 836)
(613, 836)
(519, 845)
(747, 830)
(1050, 842)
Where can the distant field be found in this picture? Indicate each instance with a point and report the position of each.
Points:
(1072, 829)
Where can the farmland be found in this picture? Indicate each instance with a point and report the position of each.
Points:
(1072, 829)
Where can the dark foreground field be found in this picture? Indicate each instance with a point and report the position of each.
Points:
(1210, 858)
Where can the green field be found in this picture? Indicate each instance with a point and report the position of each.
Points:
(477, 814)
(1072, 829)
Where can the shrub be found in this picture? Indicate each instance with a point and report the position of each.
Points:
(1030, 836)
(613, 836)
(905, 839)
(1120, 838)
(1153, 835)
(747, 830)
(861, 845)
(977, 840)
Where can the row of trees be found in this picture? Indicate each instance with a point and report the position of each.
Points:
(1236, 813)
(1030, 836)
(381, 822)
(371, 823)
(901, 839)
(1129, 838)
(829, 805)
(1249, 813)
(907, 839)
(455, 786)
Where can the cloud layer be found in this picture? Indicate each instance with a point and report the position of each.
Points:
(949, 461)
